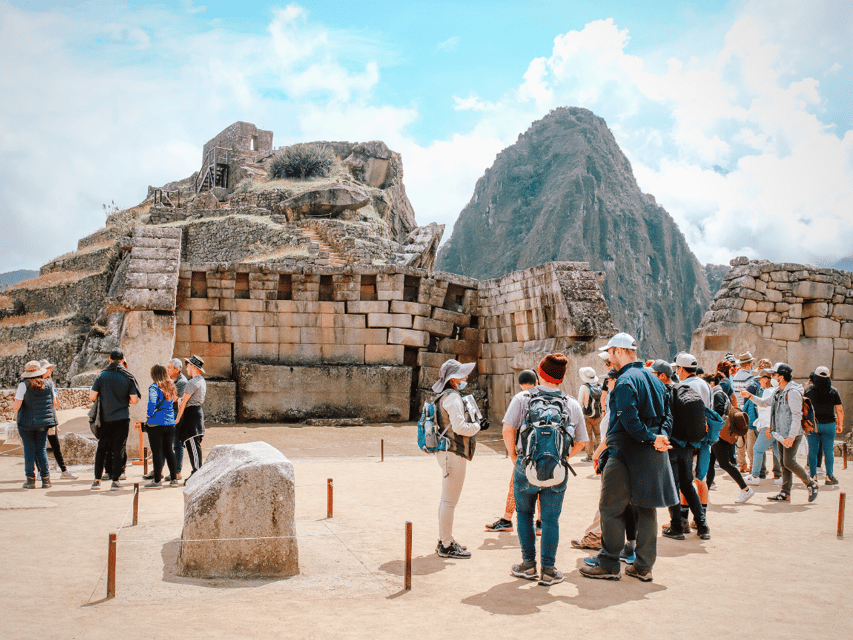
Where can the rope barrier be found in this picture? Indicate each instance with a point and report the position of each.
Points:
(303, 535)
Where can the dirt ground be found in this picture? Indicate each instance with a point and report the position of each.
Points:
(770, 570)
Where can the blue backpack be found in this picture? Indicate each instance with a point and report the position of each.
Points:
(715, 425)
(429, 438)
(545, 438)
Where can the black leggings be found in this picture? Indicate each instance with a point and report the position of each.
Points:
(160, 438)
(722, 451)
(57, 454)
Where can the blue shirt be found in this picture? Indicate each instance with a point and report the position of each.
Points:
(160, 411)
(638, 407)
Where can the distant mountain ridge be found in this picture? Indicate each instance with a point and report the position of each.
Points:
(565, 191)
(9, 278)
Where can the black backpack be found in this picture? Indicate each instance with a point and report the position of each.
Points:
(688, 414)
(593, 408)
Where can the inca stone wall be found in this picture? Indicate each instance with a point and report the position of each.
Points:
(68, 399)
(791, 313)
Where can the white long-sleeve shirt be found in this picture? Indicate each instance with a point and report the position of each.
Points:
(455, 408)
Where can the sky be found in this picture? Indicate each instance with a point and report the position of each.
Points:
(736, 116)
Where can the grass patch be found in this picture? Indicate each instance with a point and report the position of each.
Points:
(31, 318)
(53, 279)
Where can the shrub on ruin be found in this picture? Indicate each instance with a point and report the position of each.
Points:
(305, 160)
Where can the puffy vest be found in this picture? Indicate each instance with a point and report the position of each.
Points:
(36, 412)
(460, 445)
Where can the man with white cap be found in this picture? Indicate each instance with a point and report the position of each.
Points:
(589, 396)
(459, 432)
(638, 470)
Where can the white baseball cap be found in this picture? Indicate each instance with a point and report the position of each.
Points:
(621, 340)
(823, 372)
(686, 360)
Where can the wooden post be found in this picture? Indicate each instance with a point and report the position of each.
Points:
(842, 502)
(408, 585)
(141, 447)
(111, 568)
(329, 499)
(145, 460)
(135, 503)
(382, 450)
(844, 453)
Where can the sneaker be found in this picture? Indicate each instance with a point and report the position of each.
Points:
(526, 570)
(538, 527)
(704, 532)
(45, 483)
(751, 479)
(745, 495)
(30, 483)
(123, 476)
(598, 573)
(147, 476)
(693, 525)
(645, 576)
(780, 497)
(453, 551)
(173, 483)
(831, 480)
(67, 475)
(589, 541)
(669, 532)
(550, 576)
(116, 486)
(591, 561)
(95, 485)
(627, 559)
(778, 482)
(154, 485)
(820, 471)
(762, 475)
(712, 486)
(106, 476)
(500, 525)
(438, 546)
(169, 478)
(812, 490)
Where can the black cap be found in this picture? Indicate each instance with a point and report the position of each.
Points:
(117, 355)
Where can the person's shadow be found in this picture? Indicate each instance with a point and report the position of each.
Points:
(520, 597)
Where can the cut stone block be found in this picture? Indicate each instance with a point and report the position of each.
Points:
(821, 328)
(408, 337)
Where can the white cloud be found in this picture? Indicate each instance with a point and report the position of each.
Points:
(449, 45)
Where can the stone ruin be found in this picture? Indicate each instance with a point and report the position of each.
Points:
(307, 299)
(791, 313)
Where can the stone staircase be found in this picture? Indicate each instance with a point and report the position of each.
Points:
(334, 258)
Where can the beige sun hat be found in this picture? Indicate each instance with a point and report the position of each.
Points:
(47, 364)
(33, 369)
(588, 375)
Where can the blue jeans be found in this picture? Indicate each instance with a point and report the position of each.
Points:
(824, 434)
(35, 452)
(551, 500)
(762, 444)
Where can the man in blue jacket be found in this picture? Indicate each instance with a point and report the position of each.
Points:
(638, 470)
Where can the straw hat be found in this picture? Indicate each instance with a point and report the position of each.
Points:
(33, 369)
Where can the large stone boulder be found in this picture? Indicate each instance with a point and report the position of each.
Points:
(324, 202)
(242, 493)
(77, 449)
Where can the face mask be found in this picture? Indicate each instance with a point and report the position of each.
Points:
(461, 385)
(774, 382)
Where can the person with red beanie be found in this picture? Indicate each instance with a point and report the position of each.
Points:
(552, 370)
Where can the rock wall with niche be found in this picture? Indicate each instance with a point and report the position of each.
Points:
(793, 313)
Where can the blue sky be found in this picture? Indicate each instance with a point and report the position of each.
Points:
(103, 99)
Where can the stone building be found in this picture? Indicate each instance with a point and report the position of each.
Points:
(791, 313)
(306, 298)
(237, 144)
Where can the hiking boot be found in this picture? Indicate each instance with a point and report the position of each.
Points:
(438, 546)
(453, 551)
(95, 485)
(550, 576)
(645, 576)
(526, 570)
(598, 573)
(704, 532)
(538, 527)
(745, 495)
(501, 524)
(116, 485)
(780, 497)
(67, 475)
(675, 534)
(831, 480)
(589, 541)
(812, 491)
(154, 485)
(30, 483)
(751, 479)
(45, 483)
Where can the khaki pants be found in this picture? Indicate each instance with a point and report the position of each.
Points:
(593, 430)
